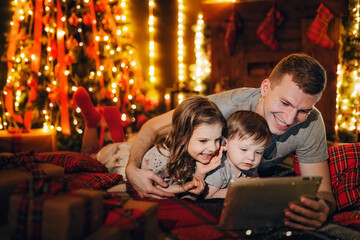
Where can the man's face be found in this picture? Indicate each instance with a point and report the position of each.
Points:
(284, 105)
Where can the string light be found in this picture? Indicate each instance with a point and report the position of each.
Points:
(348, 80)
(201, 69)
(151, 42)
(181, 50)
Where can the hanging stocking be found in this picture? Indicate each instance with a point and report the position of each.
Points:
(317, 31)
(233, 28)
(266, 30)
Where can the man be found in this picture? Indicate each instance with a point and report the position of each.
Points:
(286, 100)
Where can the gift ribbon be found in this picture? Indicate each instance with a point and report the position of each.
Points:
(35, 62)
(65, 123)
(32, 223)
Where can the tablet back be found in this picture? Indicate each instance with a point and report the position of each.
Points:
(258, 203)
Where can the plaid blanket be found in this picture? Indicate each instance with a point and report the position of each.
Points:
(186, 219)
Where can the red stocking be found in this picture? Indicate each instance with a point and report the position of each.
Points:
(266, 31)
(318, 29)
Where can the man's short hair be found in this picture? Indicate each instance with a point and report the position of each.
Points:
(306, 72)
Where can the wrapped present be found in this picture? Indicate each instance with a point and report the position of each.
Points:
(71, 215)
(9, 178)
(137, 219)
(37, 140)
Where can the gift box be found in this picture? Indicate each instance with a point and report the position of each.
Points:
(134, 220)
(9, 178)
(71, 215)
(37, 140)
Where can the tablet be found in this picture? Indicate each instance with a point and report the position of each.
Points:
(258, 203)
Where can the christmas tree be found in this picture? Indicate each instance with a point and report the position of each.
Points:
(348, 85)
(57, 45)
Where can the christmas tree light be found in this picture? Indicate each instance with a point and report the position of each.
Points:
(56, 46)
(348, 82)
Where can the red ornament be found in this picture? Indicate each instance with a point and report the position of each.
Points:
(90, 50)
(73, 20)
(86, 19)
(48, 3)
(69, 59)
(99, 7)
(71, 42)
(46, 19)
(32, 82)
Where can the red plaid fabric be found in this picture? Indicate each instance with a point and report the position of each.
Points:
(349, 219)
(232, 30)
(73, 162)
(317, 31)
(266, 31)
(34, 193)
(28, 160)
(345, 175)
(95, 181)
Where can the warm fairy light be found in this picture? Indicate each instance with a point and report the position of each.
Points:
(201, 69)
(151, 42)
(180, 33)
(348, 85)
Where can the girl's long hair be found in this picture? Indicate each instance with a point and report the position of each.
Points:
(187, 116)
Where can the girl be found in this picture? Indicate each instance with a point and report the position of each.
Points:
(182, 158)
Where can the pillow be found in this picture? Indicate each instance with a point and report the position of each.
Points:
(345, 175)
(95, 181)
(73, 162)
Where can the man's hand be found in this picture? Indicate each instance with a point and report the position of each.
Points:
(202, 169)
(312, 215)
(143, 181)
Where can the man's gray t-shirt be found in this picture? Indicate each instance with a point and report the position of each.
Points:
(307, 140)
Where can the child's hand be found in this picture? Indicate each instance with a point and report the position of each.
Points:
(199, 185)
(203, 169)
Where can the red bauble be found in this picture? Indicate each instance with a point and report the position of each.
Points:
(48, 3)
(32, 82)
(69, 59)
(99, 7)
(46, 19)
(71, 42)
(73, 20)
(86, 19)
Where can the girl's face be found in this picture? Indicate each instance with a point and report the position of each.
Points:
(205, 142)
(244, 154)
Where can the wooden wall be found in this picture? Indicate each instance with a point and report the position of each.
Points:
(253, 61)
